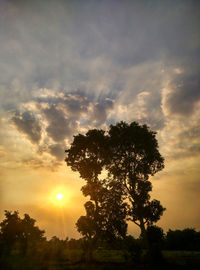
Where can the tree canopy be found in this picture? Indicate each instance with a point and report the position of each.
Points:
(127, 154)
(20, 233)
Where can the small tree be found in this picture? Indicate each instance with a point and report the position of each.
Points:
(18, 233)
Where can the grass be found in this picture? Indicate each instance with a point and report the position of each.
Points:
(114, 256)
(182, 257)
(73, 259)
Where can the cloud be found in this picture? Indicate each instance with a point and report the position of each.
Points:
(58, 150)
(75, 104)
(99, 112)
(51, 118)
(59, 127)
(27, 124)
(191, 133)
(49, 50)
(181, 96)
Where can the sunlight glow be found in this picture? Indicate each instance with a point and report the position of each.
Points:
(59, 196)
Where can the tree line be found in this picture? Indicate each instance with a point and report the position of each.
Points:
(23, 244)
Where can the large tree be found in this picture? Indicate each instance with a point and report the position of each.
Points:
(133, 157)
(105, 219)
(129, 154)
(106, 211)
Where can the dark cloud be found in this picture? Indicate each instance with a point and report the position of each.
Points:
(61, 114)
(59, 127)
(58, 150)
(61, 42)
(153, 112)
(28, 125)
(100, 110)
(75, 104)
(111, 50)
(64, 110)
(183, 95)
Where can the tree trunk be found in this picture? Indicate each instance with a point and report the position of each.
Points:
(89, 249)
(142, 228)
(146, 241)
(144, 234)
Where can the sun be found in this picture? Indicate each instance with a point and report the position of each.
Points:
(59, 196)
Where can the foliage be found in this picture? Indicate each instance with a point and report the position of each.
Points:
(105, 215)
(134, 247)
(187, 239)
(55, 248)
(126, 253)
(105, 212)
(21, 242)
(155, 235)
(134, 156)
(20, 234)
(129, 155)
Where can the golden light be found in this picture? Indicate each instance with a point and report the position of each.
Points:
(59, 196)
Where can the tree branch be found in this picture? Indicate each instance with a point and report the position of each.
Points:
(136, 223)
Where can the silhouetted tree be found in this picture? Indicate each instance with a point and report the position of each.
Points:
(55, 248)
(187, 239)
(129, 154)
(108, 221)
(20, 234)
(105, 212)
(133, 246)
(155, 236)
(133, 157)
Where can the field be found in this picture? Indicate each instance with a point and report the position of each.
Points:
(120, 260)
(74, 259)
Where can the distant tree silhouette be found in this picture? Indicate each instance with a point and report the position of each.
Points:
(55, 248)
(187, 239)
(155, 236)
(19, 234)
(129, 154)
(133, 246)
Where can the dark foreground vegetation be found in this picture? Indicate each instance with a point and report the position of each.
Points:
(23, 246)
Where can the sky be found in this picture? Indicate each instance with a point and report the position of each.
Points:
(69, 66)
